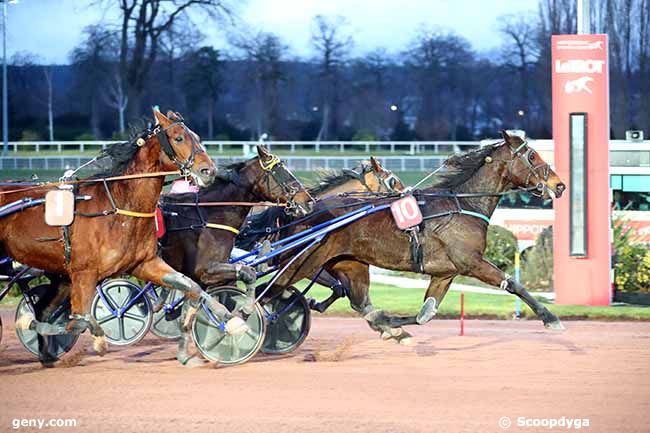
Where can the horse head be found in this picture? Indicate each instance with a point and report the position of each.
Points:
(272, 179)
(182, 149)
(526, 169)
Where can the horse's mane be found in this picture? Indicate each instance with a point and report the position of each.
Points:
(331, 179)
(121, 153)
(458, 168)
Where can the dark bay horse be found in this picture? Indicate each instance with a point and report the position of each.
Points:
(368, 177)
(113, 232)
(199, 239)
(453, 234)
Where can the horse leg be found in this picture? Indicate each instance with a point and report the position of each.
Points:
(432, 298)
(357, 278)
(81, 297)
(82, 293)
(219, 273)
(338, 291)
(490, 274)
(160, 273)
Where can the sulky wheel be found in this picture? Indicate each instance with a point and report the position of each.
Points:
(218, 346)
(167, 322)
(289, 320)
(54, 345)
(123, 311)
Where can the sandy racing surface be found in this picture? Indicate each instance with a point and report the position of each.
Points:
(344, 379)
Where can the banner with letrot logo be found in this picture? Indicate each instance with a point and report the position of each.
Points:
(582, 253)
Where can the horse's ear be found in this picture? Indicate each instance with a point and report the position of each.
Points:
(376, 166)
(175, 116)
(161, 119)
(505, 135)
(263, 152)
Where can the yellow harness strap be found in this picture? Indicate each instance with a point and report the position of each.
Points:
(135, 214)
(222, 227)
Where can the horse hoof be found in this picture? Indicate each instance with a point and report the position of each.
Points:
(236, 327)
(391, 333)
(100, 346)
(555, 325)
(23, 323)
(427, 311)
(406, 341)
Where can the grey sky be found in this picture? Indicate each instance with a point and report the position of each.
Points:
(52, 28)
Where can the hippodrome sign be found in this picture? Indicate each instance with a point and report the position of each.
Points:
(581, 235)
(406, 212)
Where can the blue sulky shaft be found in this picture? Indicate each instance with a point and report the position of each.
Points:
(317, 232)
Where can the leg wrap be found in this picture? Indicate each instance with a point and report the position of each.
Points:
(509, 285)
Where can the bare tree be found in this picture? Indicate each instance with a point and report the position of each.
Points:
(115, 97)
(204, 82)
(41, 90)
(520, 52)
(143, 24)
(332, 42)
(92, 61)
(266, 52)
(437, 61)
(48, 72)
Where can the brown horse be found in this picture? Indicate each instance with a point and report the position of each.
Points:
(199, 239)
(113, 232)
(367, 178)
(452, 236)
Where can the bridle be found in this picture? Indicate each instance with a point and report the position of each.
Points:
(184, 166)
(388, 182)
(526, 154)
(275, 169)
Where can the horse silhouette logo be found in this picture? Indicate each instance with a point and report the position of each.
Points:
(598, 45)
(578, 85)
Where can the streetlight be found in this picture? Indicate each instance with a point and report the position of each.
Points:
(521, 112)
(5, 119)
(393, 107)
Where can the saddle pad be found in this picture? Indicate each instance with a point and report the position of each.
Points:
(406, 212)
(59, 207)
(182, 186)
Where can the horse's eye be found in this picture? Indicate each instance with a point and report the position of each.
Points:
(391, 182)
(532, 157)
(179, 138)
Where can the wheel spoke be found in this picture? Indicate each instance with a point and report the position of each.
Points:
(106, 319)
(212, 345)
(136, 318)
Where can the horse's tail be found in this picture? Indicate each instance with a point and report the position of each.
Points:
(260, 226)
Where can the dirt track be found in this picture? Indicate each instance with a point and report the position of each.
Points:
(442, 382)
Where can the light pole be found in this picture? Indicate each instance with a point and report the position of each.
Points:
(5, 118)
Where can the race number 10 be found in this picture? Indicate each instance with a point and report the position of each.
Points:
(406, 212)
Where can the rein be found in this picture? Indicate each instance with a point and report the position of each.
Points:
(230, 203)
(82, 181)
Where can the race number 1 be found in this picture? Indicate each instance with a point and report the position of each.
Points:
(406, 212)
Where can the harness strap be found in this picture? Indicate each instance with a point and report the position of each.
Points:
(135, 214)
(222, 227)
(475, 214)
(416, 250)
